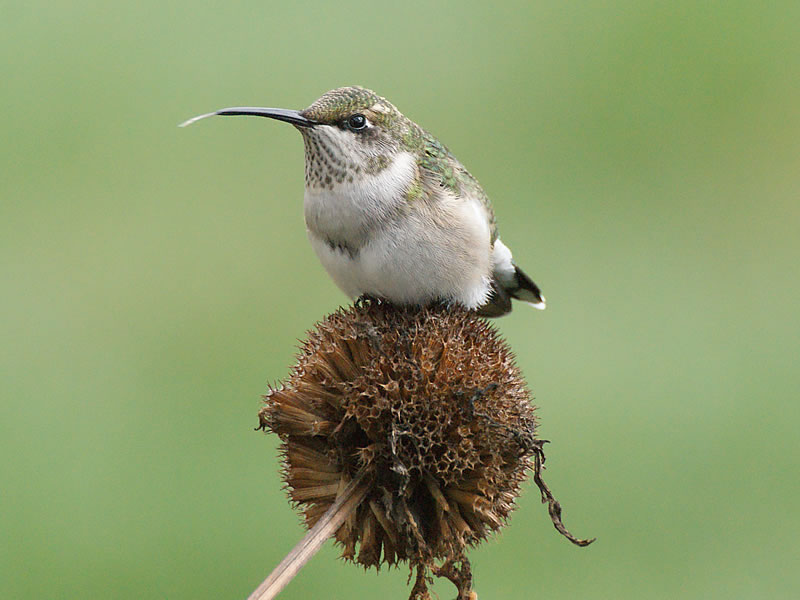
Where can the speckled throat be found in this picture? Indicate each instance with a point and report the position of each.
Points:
(327, 161)
(330, 160)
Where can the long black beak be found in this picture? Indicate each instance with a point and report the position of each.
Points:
(281, 114)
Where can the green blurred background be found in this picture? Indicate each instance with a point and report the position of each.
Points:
(644, 162)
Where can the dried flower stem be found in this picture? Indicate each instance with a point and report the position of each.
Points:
(553, 506)
(328, 524)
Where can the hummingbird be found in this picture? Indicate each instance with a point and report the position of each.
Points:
(391, 213)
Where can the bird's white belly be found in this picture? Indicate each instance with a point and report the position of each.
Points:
(414, 262)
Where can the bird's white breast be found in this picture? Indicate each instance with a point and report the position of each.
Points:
(350, 210)
(430, 251)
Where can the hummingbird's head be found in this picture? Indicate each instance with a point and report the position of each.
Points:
(349, 133)
(355, 133)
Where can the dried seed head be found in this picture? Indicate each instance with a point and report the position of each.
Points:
(429, 403)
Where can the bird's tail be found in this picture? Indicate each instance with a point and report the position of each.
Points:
(526, 290)
(515, 285)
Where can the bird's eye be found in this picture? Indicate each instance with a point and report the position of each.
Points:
(357, 122)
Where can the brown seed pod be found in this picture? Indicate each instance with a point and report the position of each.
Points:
(428, 407)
